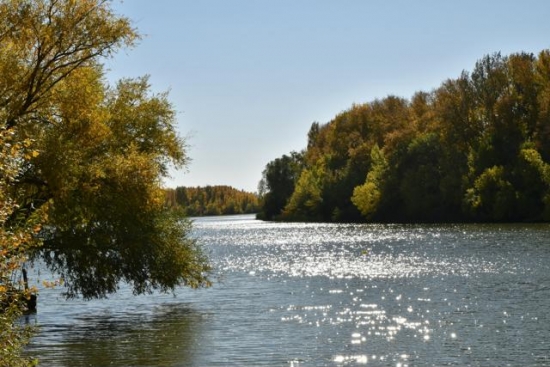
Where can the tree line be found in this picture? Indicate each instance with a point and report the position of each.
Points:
(477, 148)
(212, 200)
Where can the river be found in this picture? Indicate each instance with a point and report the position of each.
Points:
(325, 295)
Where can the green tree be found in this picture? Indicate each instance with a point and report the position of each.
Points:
(306, 200)
(102, 173)
(419, 179)
(103, 151)
(368, 197)
(492, 196)
(277, 185)
(533, 185)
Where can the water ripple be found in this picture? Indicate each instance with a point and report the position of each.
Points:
(294, 294)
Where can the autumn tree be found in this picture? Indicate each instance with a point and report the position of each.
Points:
(18, 237)
(103, 151)
(212, 200)
(474, 149)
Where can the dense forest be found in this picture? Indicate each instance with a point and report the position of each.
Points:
(212, 200)
(477, 148)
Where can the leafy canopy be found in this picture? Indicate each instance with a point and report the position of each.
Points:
(475, 149)
(102, 151)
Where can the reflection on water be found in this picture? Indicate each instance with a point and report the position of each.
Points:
(327, 295)
(163, 335)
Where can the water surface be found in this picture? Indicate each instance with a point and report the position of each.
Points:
(326, 295)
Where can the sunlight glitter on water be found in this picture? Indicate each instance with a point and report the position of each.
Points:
(361, 359)
(288, 294)
(350, 253)
(334, 251)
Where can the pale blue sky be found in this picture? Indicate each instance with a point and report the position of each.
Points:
(248, 77)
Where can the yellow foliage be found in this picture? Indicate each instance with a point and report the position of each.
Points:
(49, 68)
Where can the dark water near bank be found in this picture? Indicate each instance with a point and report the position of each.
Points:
(326, 295)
